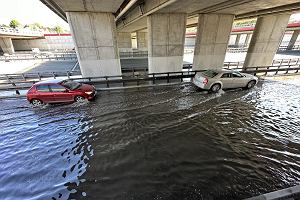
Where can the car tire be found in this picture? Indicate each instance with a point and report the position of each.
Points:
(215, 87)
(79, 99)
(36, 102)
(250, 84)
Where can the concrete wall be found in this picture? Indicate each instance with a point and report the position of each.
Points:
(166, 34)
(50, 43)
(267, 36)
(212, 38)
(6, 45)
(142, 41)
(95, 39)
(124, 41)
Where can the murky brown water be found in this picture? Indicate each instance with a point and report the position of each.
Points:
(153, 143)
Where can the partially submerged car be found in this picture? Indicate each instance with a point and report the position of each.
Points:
(214, 80)
(59, 91)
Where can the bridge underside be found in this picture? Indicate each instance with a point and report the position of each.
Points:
(97, 25)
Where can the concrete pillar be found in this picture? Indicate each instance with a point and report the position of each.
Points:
(237, 40)
(95, 38)
(293, 40)
(124, 41)
(166, 34)
(6, 45)
(247, 40)
(266, 38)
(212, 38)
(142, 41)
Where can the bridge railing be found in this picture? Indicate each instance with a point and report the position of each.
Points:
(18, 31)
(13, 82)
(45, 56)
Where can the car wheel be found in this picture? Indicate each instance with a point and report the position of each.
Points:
(251, 84)
(36, 102)
(215, 87)
(79, 99)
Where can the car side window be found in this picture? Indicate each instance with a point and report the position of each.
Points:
(226, 75)
(43, 88)
(236, 75)
(57, 88)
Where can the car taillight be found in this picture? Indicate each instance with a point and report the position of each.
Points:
(205, 81)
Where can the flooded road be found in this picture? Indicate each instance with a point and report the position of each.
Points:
(153, 143)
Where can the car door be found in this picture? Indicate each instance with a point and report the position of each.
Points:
(226, 79)
(238, 80)
(43, 93)
(60, 93)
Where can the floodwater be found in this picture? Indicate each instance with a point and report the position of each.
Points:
(153, 143)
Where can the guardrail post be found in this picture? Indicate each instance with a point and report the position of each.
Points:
(168, 80)
(107, 84)
(181, 79)
(138, 81)
(153, 79)
(54, 76)
(68, 74)
(287, 70)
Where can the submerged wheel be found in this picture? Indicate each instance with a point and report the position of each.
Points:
(36, 102)
(79, 99)
(251, 84)
(215, 87)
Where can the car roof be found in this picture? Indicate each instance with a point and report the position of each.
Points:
(55, 81)
(221, 70)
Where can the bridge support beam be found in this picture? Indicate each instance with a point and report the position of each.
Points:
(212, 38)
(293, 40)
(6, 45)
(95, 38)
(166, 35)
(124, 41)
(237, 40)
(266, 39)
(141, 40)
(247, 40)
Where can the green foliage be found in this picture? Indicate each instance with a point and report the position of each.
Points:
(58, 29)
(14, 23)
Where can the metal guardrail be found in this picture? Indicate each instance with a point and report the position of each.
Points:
(18, 31)
(18, 83)
(133, 54)
(62, 56)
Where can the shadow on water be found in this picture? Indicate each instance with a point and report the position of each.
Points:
(153, 143)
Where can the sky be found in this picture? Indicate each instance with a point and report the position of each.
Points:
(29, 12)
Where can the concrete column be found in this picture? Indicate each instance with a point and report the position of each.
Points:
(212, 38)
(142, 40)
(293, 40)
(6, 45)
(266, 39)
(95, 38)
(237, 40)
(247, 40)
(124, 41)
(166, 34)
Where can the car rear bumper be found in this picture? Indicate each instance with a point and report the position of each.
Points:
(200, 84)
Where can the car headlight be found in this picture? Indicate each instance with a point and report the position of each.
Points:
(89, 93)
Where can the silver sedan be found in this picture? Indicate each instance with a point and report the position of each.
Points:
(214, 80)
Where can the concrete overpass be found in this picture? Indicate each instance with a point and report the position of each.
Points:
(96, 25)
(7, 34)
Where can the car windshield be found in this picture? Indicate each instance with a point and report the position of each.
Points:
(72, 85)
(210, 73)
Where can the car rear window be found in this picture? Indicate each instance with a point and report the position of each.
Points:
(42, 88)
(210, 73)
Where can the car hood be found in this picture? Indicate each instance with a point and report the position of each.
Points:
(85, 88)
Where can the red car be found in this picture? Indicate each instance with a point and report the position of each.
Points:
(58, 91)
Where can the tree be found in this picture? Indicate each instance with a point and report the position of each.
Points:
(14, 23)
(58, 29)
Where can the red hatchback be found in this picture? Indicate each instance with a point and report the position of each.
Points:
(58, 91)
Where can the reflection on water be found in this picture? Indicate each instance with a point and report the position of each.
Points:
(153, 143)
